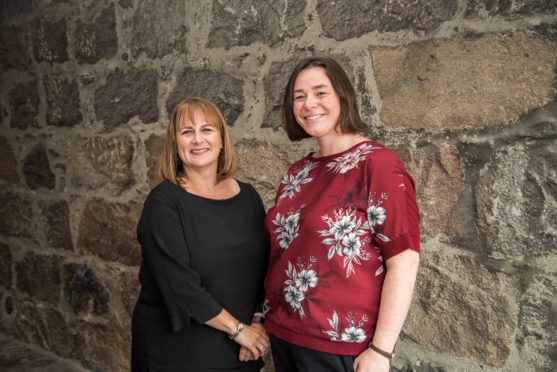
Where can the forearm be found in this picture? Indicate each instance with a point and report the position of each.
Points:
(224, 322)
(396, 297)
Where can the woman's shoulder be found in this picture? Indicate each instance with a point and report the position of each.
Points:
(381, 153)
(163, 191)
(246, 186)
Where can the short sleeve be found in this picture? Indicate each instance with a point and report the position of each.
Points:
(392, 212)
(166, 255)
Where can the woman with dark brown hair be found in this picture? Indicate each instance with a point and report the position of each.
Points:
(204, 255)
(344, 235)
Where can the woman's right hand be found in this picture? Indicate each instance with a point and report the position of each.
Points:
(254, 338)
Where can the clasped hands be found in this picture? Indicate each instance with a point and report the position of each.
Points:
(254, 342)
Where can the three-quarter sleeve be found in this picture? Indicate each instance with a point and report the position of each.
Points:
(165, 253)
(392, 212)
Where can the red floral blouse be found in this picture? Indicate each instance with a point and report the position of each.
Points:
(335, 221)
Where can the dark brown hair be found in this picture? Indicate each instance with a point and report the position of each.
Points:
(170, 166)
(349, 120)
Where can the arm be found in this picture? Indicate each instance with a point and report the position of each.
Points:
(166, 257)
(396, 297)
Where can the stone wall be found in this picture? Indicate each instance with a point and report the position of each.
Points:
(464, 90)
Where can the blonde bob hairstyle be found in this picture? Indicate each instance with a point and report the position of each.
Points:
(170, 165)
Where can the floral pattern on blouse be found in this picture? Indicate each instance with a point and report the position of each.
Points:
(353, 333)
(343, 238)
(294, 181)
(298, 282)
(288, 227)
(350, 160)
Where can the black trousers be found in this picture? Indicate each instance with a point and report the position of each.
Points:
(293, 358)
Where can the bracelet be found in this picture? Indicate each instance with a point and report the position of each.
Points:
(386, 354)
(258, 319)
(239, 328)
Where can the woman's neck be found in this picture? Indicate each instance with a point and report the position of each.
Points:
(338, 143)
(205, 184)
(199, 180)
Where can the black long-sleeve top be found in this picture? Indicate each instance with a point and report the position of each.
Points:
(199, 256)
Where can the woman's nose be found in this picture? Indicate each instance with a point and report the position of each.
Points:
(310, 101)
(196, 137)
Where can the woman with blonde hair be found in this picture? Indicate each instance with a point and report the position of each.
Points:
(204, 255)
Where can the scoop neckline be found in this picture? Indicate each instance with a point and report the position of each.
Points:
(332, 156)
(210, 199)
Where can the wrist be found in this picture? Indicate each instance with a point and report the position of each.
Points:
(238, 329)
(378, 350)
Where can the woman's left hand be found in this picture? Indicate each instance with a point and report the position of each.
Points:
(370, 361)
(245, 354)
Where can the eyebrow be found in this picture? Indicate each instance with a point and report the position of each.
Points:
(314, 87)
(202, 125)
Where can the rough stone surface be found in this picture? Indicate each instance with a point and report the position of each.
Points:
(342, 20)
(96, 40)
(102, 347)
(107, 230)
(13, 53)
(263, 165)
(275, 82)
(450, 286)
(15, 216)
(125, 3)
(62, 97)
(8, 163)
(128, 283)
(470, 82)
(486, 8)
(153, 150)
(222, 89)
(462, 228)
(159, 33)
(99, 162)
(438, 180)
(516, 201)
(24, 103)
(50, 42)
(46, 327)
(55, 217)
(538, 324)
(5, 266)
(239, 22)
(9, 8)
(36, 168)
(84, 291)
(547, 30)
(38, 275)
(19, 356)
(127, 94)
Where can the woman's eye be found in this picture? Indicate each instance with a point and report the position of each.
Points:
(208, 129)
(319, 94)
(299, 98)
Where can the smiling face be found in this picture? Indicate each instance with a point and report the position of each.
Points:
(199, 143)
(316, 105)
